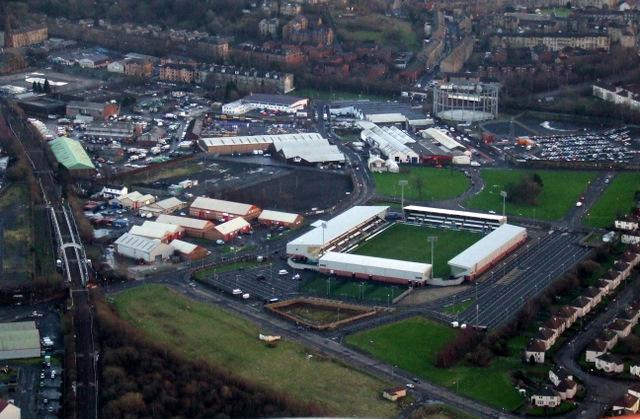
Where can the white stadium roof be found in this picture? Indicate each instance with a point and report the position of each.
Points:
(444, 138)
(486, 246)
(457, 213)
(338, 225)
(376, 262)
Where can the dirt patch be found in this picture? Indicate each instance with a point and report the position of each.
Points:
(319, 313)
(430, 294)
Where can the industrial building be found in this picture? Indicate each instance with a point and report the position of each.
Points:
(277, 218)
(217, 209)
(70, 154)
(19, 340)
(189, 251)
(135, 200)
(166, 206)
(442, 137)
(310, 148)
(142, 248)
(336, 234)
(160, 231)
(193, 227)
(488, 251)
(461, 220)
(265, 102)
(374, 268)
(390, 141)
(465, 100)
(100, 111)
(230, 229)
(382, 113)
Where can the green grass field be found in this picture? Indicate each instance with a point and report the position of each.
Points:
(560, 192)
(616, 200)
(425, 184)
(413, 344)
(459, 307)
(16, 235)
(408, 242)
(383, 30)
(369, 292)
(201, 331)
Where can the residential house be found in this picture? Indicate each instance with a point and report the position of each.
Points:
(621, 327)
(547, 337)
(594, 294)
(582, 305)
(609, 337)
(110, 192)
(623, 267)
(627, 224)
(626, 404)
(568, 314)
(595, 349)
(604, 286)
(630, 315)
(394, 393)
(181, 73)
(556, 324)
(567, 389)
(609, 363)
(546, 397)
(137, 67)
(535, 351)
(8, 410)
(558, 374)
(116, 67)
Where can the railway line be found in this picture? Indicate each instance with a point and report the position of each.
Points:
(74, 263)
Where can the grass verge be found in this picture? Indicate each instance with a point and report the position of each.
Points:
(425, 184)
(617, 199)
(201, 331)
(560, 192)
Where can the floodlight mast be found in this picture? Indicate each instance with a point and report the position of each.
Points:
(402, 183)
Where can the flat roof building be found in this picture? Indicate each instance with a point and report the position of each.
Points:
(487, 251)
(328, 235)
(218, 209)
(189, 251)
(19, 340)
(71, 154)
(265, 102)
(309, 147)
(374, 268)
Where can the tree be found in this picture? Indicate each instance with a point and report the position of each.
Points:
(47, 86)
(34, 87)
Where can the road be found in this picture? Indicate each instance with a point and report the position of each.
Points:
(601, 391)
(323, 344)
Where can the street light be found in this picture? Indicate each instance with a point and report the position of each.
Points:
(402, 183)
(503, 194)
(432, 240)
(323, 225)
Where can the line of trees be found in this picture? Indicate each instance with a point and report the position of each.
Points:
(140, 378)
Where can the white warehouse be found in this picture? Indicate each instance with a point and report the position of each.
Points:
(487, 251)
(148, 250)
(374, 268)
(337, 233)
(391, 141)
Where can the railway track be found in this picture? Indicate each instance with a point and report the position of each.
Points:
(72, 254)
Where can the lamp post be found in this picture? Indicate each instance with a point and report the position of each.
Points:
(402, 183)
(323, 225)
(432, 240)
(503, 194)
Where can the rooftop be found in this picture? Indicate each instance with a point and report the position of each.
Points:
(376, 262)
(219, 205)
(19, 335)
(486, 246)
(71, 154)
